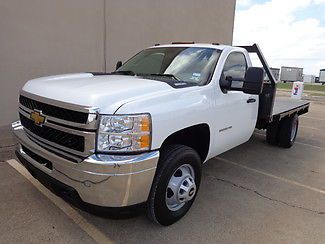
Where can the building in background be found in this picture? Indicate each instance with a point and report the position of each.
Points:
(291, 74)
(40, 38)
(309, 78)
(275, 72)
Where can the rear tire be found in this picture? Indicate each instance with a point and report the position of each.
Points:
(288, 130)
(183, 165)
(272, 137)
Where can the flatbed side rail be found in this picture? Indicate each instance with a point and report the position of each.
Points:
(302, 109)
(267, 97)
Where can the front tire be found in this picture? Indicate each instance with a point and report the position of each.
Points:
(175, 185)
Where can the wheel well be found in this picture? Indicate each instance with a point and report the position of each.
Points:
(196, 137)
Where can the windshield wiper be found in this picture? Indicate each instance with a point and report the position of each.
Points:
(124, 72)
(163, 75)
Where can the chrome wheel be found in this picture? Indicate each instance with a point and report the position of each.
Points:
(181, 187)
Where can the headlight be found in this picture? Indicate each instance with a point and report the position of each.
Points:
(124, 133)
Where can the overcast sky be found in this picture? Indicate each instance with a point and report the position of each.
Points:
(289, 32)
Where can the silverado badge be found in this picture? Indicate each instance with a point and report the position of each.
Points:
(37, 117)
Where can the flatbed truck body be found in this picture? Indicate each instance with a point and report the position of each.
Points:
(140, 135)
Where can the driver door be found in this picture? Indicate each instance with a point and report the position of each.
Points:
(235, 111)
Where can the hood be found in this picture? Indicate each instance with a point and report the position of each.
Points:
(106, 92)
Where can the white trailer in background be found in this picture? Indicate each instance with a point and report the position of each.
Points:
(275, 72)
(322, 76)
(291, 74)
(309, 78)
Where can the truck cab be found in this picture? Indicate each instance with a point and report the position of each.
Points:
(139, 135)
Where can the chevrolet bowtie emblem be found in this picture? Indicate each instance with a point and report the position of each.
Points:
(37, 117)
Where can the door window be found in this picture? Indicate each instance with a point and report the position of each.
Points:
(235, 69)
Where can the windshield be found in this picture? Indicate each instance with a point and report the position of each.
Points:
(189, 64)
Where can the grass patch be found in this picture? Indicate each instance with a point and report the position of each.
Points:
(307, 87)
(314, 94)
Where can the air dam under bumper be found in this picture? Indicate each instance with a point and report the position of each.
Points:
(102, 180)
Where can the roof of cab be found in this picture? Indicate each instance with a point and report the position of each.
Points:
(202, 45)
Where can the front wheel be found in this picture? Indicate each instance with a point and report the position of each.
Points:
(175, 185)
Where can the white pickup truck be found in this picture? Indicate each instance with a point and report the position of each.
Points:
(138, 136)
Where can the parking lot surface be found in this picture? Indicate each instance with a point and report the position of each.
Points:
(255, 193)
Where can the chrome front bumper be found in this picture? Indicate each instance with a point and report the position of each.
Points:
(103, 180)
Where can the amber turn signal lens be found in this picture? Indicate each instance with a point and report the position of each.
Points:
(145, 124)
(145, 141)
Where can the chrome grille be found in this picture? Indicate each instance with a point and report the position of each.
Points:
(68, 128)
(54, 111)
(62, 138)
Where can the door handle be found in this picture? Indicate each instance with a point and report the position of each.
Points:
(251, 100)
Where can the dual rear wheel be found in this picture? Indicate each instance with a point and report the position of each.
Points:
(283, 133)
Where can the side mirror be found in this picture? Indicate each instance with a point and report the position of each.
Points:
(228, 83)
(225, 83)
(253, 83)
(118, 64)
